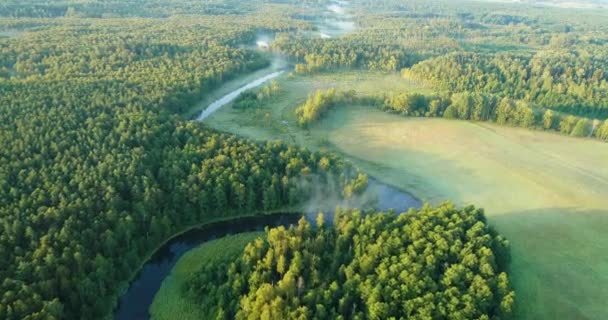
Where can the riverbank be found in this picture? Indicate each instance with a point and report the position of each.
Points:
(169, 303)
(545, 192)
(144, 284)
(138, 288)
(278, 63)
(234, 94)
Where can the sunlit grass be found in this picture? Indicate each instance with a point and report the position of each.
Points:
(546, 192)
(170, 303)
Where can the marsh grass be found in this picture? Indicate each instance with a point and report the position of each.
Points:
(170, 302)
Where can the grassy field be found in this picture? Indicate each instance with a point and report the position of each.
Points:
(277, 119)
(547, 193)
(169, 302)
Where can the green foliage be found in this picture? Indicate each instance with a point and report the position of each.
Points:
(120, 8)
(570, 81)
(356, 186)
(96, 172)
(169, 302)
(581, 129)
(93, 159)
(412, 104)
(485, 107)
(319, 102)
(314, 55)
(256, 98)
(549, 122)
(602, 131)
(432, 263)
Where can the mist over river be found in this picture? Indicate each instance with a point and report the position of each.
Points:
(135, 303)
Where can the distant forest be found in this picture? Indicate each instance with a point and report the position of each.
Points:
(97, 169)
(96, 153)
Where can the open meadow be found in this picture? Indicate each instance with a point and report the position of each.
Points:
(547, 193)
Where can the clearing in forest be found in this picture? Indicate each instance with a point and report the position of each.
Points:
(545, 192)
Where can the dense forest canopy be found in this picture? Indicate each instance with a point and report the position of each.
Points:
(319, 102)
(93, 159)
(434, 263)
(573, 81)
(95, 153)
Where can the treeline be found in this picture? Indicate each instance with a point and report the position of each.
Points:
(487, 107)
(315, 54)
(434, 263)
(255, 98)
(391, 35)
(574, 82)
(120, 8)
(95, 171)
(319, 102)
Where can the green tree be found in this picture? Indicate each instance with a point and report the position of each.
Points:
(581, 129)
(549, 120)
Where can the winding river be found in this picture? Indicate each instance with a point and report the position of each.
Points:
(234, 94)
(134, 304)
(136, 301)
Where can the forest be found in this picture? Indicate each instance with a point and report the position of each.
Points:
(467, 105)
(99, 165)
(315, 55)
(433, 263)
(94, 156)
(489, 107)
(572, 82)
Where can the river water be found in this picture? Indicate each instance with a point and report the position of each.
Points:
(336, 23)
(234, 94)
(135, 303)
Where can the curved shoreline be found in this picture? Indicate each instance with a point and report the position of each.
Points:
(216, 105)
(120, 313)
(218, 222)
(126, 308)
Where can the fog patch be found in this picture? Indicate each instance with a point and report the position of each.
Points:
(262, 44)
(343, 26)
(263, 41)
(327, 196)
(336, 21)
(10, 33)
(336, 9)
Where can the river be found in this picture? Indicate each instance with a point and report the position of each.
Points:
(234, 94)
(336, 22)
(135, 303)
